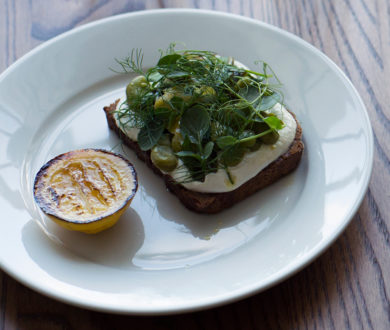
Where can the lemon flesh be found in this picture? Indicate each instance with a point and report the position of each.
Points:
(85, 190)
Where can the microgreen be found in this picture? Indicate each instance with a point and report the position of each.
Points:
(220, 109)
(274, 122)
(150, 134)
(132, 63)
(226, 141)
(195, 123)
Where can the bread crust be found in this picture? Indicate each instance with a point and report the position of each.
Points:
(216, 202)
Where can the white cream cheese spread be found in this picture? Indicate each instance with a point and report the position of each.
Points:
(131, 132)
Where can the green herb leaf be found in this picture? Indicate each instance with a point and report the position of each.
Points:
(177, 74)
(195, 122)
(154, 76)
(132, 63)
(207, 150)
(162, 114)
(233, 155)
(177, 103)
(274, 122)
(267, 102)
(225, 141)
(150, 134)
(168, 59)
(249, 93)
(183, 154)
(187, 145)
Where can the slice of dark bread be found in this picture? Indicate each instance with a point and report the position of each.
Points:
(216, 202)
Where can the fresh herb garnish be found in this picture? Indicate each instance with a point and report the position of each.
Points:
(195, 123)
(149, 134)
(210, 111)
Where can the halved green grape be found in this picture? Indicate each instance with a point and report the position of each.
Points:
(136, 86)
(270, 138)
(256, 146)
(163, 157)
(177, 141)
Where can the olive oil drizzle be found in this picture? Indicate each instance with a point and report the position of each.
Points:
(79, 178)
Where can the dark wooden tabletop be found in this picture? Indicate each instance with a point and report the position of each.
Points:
(349, 285)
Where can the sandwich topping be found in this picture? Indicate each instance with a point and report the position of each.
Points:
(210, 123)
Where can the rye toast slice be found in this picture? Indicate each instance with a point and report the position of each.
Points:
(217, 202)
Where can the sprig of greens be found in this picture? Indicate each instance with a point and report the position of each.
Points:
(217, 110)
(132, 63)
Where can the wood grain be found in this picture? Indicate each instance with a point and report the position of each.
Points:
(348, 287)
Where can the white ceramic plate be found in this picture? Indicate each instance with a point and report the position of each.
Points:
(162, 258)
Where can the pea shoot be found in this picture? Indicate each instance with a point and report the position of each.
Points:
(211, 111)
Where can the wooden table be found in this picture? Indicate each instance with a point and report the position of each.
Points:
(349, 285)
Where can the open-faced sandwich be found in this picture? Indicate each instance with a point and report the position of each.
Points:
(215, 130)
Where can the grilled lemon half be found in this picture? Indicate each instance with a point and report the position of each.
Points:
(85, 190)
